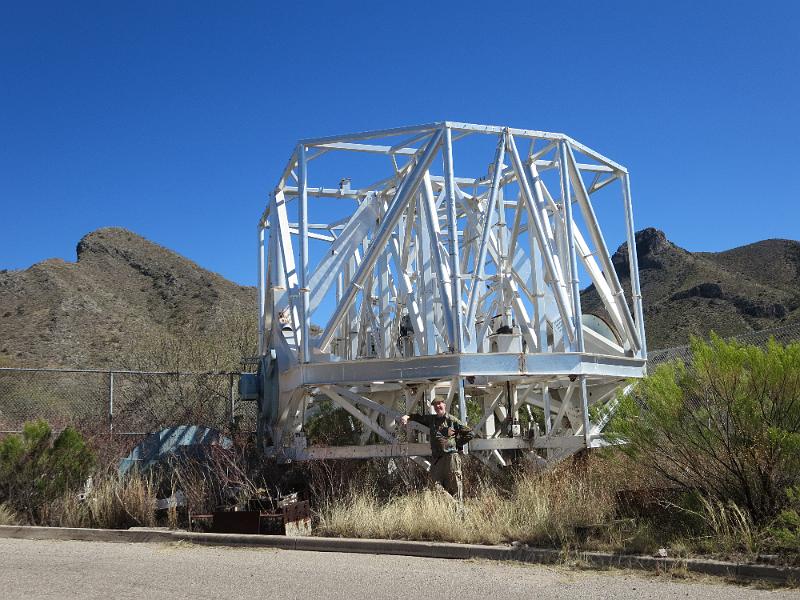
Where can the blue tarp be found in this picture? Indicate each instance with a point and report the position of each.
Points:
(168, 441)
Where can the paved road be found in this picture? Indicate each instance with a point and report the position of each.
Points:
(54, 569)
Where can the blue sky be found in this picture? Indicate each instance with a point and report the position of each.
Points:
(174, 119)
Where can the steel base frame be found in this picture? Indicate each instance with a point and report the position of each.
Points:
(438, 285)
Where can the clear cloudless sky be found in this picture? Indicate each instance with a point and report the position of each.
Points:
(174, 119)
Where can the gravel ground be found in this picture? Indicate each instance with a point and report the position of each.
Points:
(61, 569)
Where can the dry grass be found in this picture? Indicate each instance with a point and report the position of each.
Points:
(538, 508)
(731, 528)
(114, 502)
(8, 516)
(123, 500)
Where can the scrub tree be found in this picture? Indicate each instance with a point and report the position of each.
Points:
(727, 424)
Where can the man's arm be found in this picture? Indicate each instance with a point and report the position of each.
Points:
(421, 419)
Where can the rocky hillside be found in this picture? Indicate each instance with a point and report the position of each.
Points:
(121, 290)
(745, 289)
(124, 291)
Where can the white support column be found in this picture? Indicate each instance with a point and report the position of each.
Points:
(286, 285)
(350, 320)
(477, 275)
(538, 287)
(548, 409)
(452, 223)
(387, 332)
(553, 271)
(425, 287)
(503, 266)
(305, 317)
(443, 272)
(633, 262)
(569, 238)
(487, 423)
(513, 408)
(548, 415)
(261, 290)
(462, 401)
(585, 412)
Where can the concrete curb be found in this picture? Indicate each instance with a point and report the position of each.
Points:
(742, 571)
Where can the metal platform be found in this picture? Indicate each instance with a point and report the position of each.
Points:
(444, 260)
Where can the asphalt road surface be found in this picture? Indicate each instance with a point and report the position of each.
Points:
(60, 569)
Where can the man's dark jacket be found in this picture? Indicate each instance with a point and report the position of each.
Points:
(447, 433)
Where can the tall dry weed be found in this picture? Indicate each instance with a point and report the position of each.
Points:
(114, 502)
(69, 511)
(731, 526)
(426, 515)
(538, 508)
(8, 515)
(123, 501)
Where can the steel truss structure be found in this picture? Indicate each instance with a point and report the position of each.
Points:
(428, 282)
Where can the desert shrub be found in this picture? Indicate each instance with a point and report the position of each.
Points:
(784, 531)
(35, 470)
(727, 424)
(331, 425)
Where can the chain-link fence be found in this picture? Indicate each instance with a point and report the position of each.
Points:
(122, 402)
(139, 402)
(783, 335)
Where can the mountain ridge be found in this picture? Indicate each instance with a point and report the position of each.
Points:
(124, 290)
(121, 287)
(685, 293)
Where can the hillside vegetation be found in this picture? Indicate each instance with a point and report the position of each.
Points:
(123, 293)
(686, 293)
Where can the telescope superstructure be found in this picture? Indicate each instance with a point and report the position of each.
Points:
(444, 260)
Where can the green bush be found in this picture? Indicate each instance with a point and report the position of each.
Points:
(35, 470)
(331, 425)
(727, 424)
(784, 532)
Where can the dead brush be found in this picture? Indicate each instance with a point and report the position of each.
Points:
(216, 478)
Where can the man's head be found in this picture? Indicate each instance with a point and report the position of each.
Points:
(439, 407)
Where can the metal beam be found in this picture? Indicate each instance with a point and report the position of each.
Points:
(553, 272)
(602, 250)
(399, 257)
(381, 237)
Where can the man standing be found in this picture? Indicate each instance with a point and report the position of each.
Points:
(447, 436)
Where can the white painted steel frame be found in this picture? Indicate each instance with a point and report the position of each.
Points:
(439, 285)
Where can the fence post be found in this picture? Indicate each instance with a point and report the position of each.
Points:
(111, 402)
(233, 400)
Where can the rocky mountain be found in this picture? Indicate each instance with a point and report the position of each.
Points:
(745, 289)
(122, 290)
